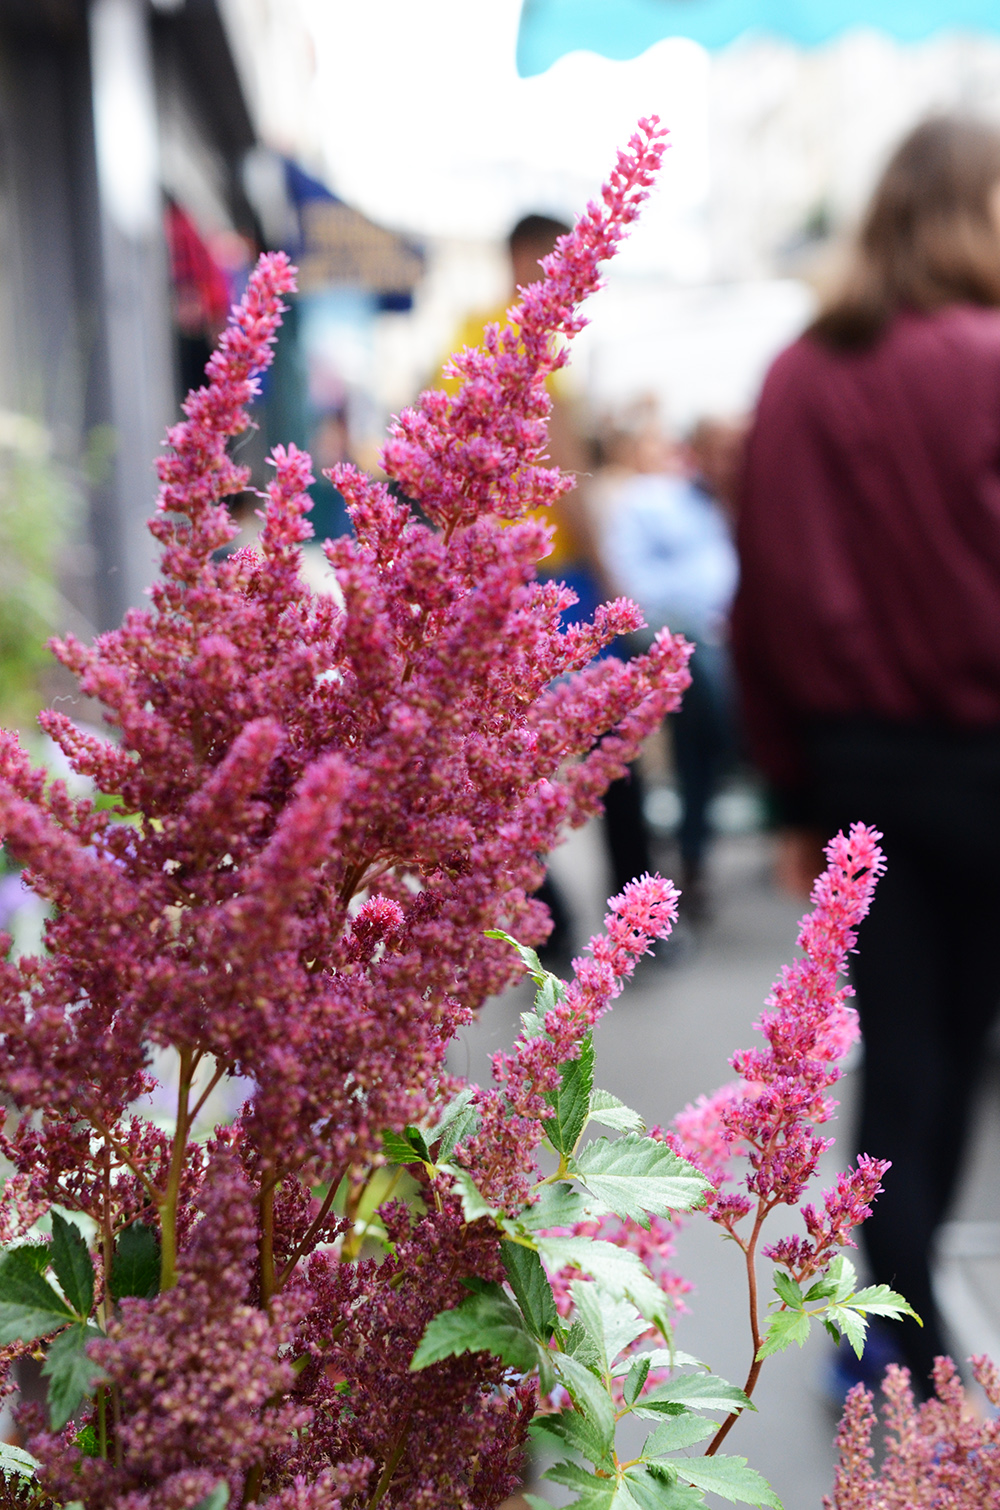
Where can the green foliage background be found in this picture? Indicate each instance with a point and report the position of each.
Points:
(37, 515)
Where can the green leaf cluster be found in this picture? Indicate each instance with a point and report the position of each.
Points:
(33, 1310)
(458, 1120)
(834, 1300)
(591, 1353)
(14, 1461)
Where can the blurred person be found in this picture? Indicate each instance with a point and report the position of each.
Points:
(715, 449)
(867, 635)
(667, 545)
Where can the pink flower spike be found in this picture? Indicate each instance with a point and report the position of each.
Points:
(768, 1116)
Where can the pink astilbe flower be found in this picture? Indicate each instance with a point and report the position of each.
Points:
(938, 1456)
(330, 799)
(845, 1207)
(512, 1113)
(701, 1129)
(854, 1477)
(479, 452)
(767, 1117)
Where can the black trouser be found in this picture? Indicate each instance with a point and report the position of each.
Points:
(927, 973)
(703, 735)
(625, 831)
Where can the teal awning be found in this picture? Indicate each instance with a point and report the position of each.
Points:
(625, 28)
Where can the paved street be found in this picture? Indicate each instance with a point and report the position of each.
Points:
(668, 1039)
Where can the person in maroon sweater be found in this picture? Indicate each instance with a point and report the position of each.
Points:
(866, 634)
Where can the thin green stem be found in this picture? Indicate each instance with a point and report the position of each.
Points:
(102, 1420)
(267, 1284)
(107, 1235)
(351, 1246)
(391, 1464)
(210, 1087)
(314, 1226)
(169, 1200)
(116, 1418)
(254, 1480)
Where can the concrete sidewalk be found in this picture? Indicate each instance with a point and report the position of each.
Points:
(669, 1039)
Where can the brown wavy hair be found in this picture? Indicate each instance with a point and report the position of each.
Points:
(930, 237)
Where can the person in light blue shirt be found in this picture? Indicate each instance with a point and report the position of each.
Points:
(668, 546)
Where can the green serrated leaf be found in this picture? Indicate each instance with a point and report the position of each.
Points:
(474, 1203)
(596, 1493)
(611, 1321)
(636, 1176)
(730, 1478)
(29, 1306)
(579, 1344)
(784, 1328)
(528, 957)
(821, 1290)
(16, 1460)
(72, 1265)
(788, 1290)
(535, 1501)
(842, 1320)
(589, 1396)
(87, 1441)
(35, 1256)
(399, 1150)
(636, 1380)
(879, 1300)
(623, 1499)
(418, 1143)
(135, 1265)
(661, 1357)
(621, 1272)
(588, 1314)
(549, 994)
(558, 1205)
(654, 1486)
(215, 1499)
(575, 1430)
(531, 1287)
(705, 1391)
(678, 1431)
(455, 1123)
(610, 1112)
(488, 1322)
(843, 1276)
(570, 1101)
(71, 1373)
